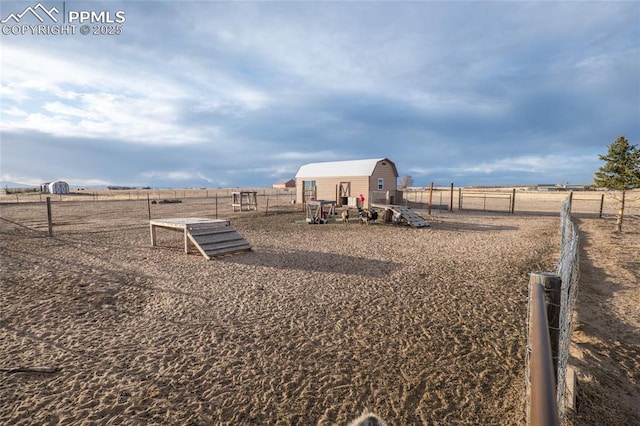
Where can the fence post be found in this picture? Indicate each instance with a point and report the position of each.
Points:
(430, 196)
(49, 221)
(459, 198)
(601, 206)
(451, 204)
(570, 201)
(149, 206)
(513, 201)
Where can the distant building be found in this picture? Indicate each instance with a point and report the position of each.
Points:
(548, 187)
(562, 187)
(55, 187)
(285, 184)
(576, 187)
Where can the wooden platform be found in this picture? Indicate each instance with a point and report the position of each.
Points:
(403, 214)
(212, 237)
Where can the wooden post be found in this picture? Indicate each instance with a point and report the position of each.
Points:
(619, 218)
(459, 198)
(601, 205)
(513, 201)
(430, 196)
(152, 230)
(149, 206)
(570, 201)
(451, 204)
(49, 221)
(266, 211)
(216, 205)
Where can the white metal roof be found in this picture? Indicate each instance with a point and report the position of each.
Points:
(339, 168)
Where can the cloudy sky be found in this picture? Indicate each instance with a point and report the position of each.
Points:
(216, 94)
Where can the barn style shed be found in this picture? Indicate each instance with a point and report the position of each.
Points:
(347, 181)
(56, 187)
(285, 184)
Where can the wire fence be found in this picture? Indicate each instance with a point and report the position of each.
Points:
(560, 294)
(117, 210)
(569, 271)
(504, 200)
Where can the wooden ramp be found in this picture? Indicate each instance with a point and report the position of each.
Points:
(401, 213)
(214, 240)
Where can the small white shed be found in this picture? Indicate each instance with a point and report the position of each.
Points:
(58, 187)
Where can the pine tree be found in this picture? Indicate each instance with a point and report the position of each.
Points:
(621, 171)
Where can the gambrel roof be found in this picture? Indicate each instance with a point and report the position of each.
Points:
(342, 168)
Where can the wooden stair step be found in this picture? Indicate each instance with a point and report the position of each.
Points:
(211, 231)
(213, 246)
(218, 238)
(223, 250)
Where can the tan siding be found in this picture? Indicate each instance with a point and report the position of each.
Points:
(299, 190)
(326, 187)
(387, 173)
(359, 185)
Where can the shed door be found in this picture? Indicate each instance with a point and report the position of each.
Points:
(344, 192)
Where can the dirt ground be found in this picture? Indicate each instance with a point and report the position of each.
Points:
(314, 325)
(606, 349)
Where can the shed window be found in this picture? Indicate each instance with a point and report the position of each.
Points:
(380, 183)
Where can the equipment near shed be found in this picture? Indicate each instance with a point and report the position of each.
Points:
(212, 237)
(399, 215)
(244, 200)
(319, 211)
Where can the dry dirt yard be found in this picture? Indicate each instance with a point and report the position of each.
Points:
(606, 349)
(315, 324)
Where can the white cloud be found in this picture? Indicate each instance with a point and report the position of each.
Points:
(14, 111)
(82, 99)
(180, 176)
(529, 164)
(305, 155)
